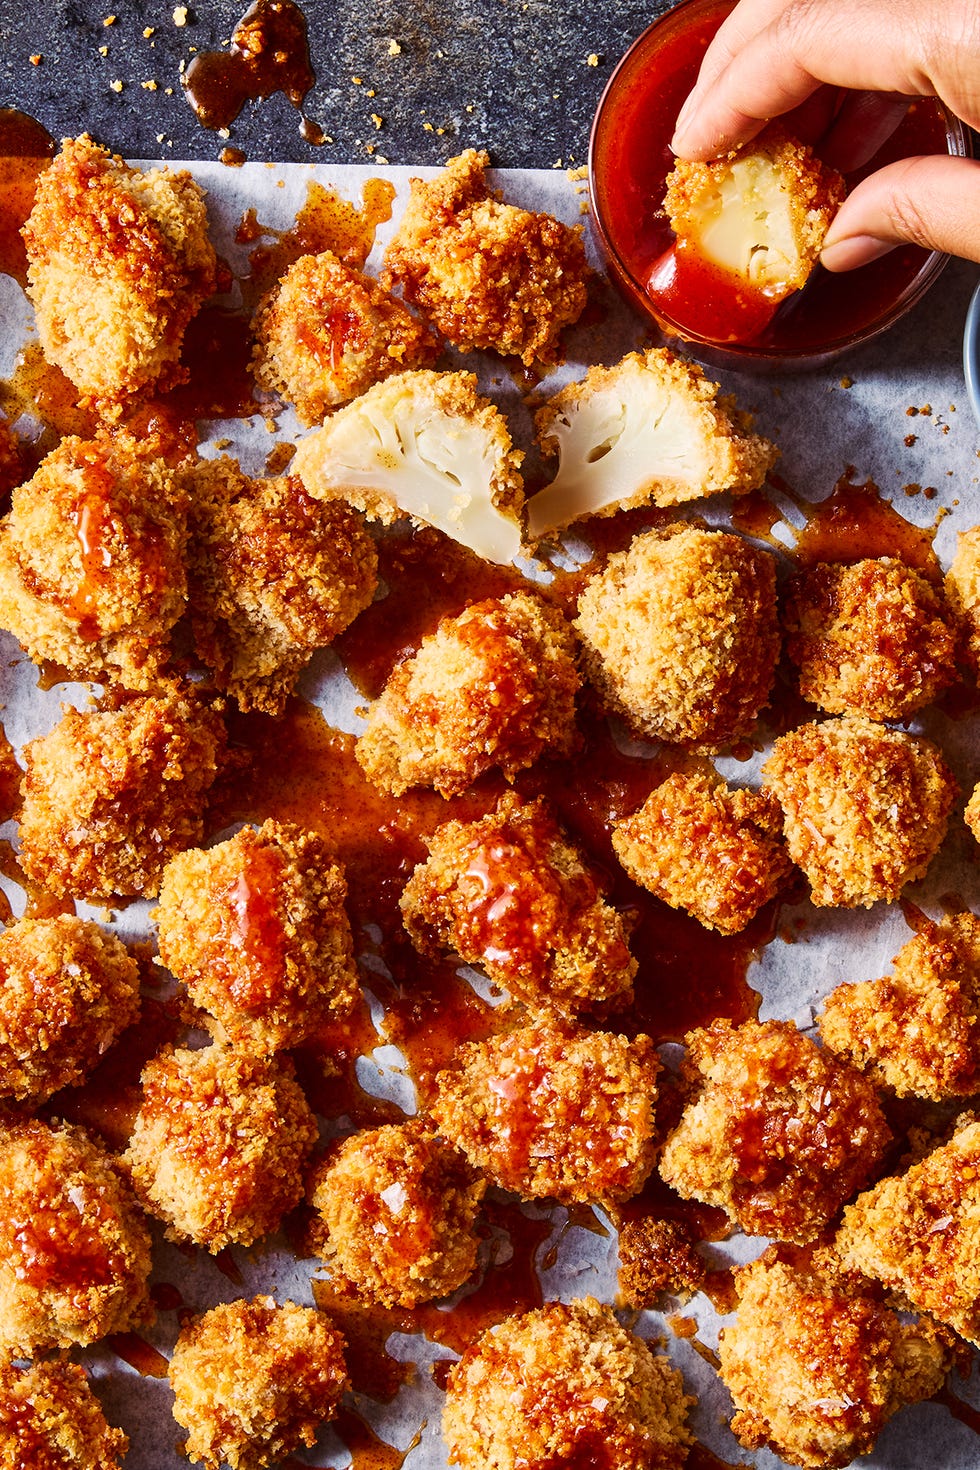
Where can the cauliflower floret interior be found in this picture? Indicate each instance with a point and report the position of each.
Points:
(747, 226)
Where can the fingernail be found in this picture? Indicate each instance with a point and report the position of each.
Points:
(852, 251)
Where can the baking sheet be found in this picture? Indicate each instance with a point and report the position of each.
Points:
(895, 412)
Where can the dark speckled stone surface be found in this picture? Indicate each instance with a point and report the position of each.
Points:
(513, 76)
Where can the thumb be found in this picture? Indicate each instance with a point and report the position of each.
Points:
(933, 202)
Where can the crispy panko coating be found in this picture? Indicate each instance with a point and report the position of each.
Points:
(971, 814)
(816, 1366)
(256, 929)
(510, 893)
(273, 576)
(487, 275)
(551, 1110)
(865, 807)
(656, 1256)
(118, 263)
(680, 635)
(51, 1420)
(67, 991)
(396, 1209)
(918, 1233)
(650, 429)
(253, 1381)
(868, 639)
(777, 1132)
(565, 1385)
(703, 846)
(326, 333)
(92, 560)
(74, 1250)
(917, 1030)
(494, 686)
(962, 588)
(219, 1144)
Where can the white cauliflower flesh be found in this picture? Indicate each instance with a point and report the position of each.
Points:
(426, 445)
(650, 429)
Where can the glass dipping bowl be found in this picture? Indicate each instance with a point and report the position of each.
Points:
(629, 159)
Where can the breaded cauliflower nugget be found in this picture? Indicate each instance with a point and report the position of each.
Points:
(118, 263)
(67, 991)
(868, 639)
(273, 576)
(253, 1380)
(865, 807)
(917, 1030)
(703, 846)
(564, 1385)
(396, 1213)
(551, 1110)
(816, 1366)
(680, 635)
(256, 929)
(487, 275)
(49, 1417)
(776, 1132)
(326, 333)
(971, 813)
(111, 795)
(918, 1233)
(74, 1250)
(92, 560)
(650, 429)
(494, 686)
(219, 1144)
(962, 588)
(510, 893)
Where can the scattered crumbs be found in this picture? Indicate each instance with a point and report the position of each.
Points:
(911, 412)
(36, 59)
(369, 149)
(148, 31)
(116, 86)
(847, 382)
(371, 92)
(926, 409)
(592, 59)
(574, 174)
(110, 20)
(910, 439)
(380, 158)
(583, 207)
(169, 91)
(224, 132)
(150, 86)
(470, 107)
(180, 15)
(161, 137)
(183, 66)
(428, 127)
(377, 119)
(103, 51)
(912, 489)
(394, 49)
(358, 81)
(930, 492)
(558, 163)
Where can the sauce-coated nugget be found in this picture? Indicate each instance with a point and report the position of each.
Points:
(488, 275)
(494, 686)
(74, 1249)
(510, 893)
(118, 263)
(110, 796)
(777, 1133)
(51, 1420)
(554, 1111)
(67, 991)
(680, 634)
(92, 560)
(253, 1381)
(565, 1386)
(963, 594)
(219, 1144)
(396, 1208)
(256, 929)
(865, 807)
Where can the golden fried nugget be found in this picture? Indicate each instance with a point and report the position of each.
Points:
(963, 594)
(49, 1417)
(971, 813)
(657, 1256)
(777, 1132)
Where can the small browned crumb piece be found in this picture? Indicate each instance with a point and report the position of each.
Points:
(680, 634)
(963, 594)
(110, 796)
(971, 814)
(777, 1133)
(326, 333)
(92, 560)
(510, 893)
(916, 1031)
(273, 576)
(11, 458)
(253, 1381)
(919, 1233)
(488, 275)
(396, 1208)
(865, 807)
(219, 1144)
(67, 991)
(118, 263)
(702, 846)
(74, 1251)
(554, 1111)
(816, 1366)
(565, 1385)
(494, 686)
(868, 639)
(256, 929)
(657, 1256)
(51, 1420)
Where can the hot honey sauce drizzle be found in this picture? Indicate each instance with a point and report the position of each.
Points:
(25, 148)
(269, 53)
